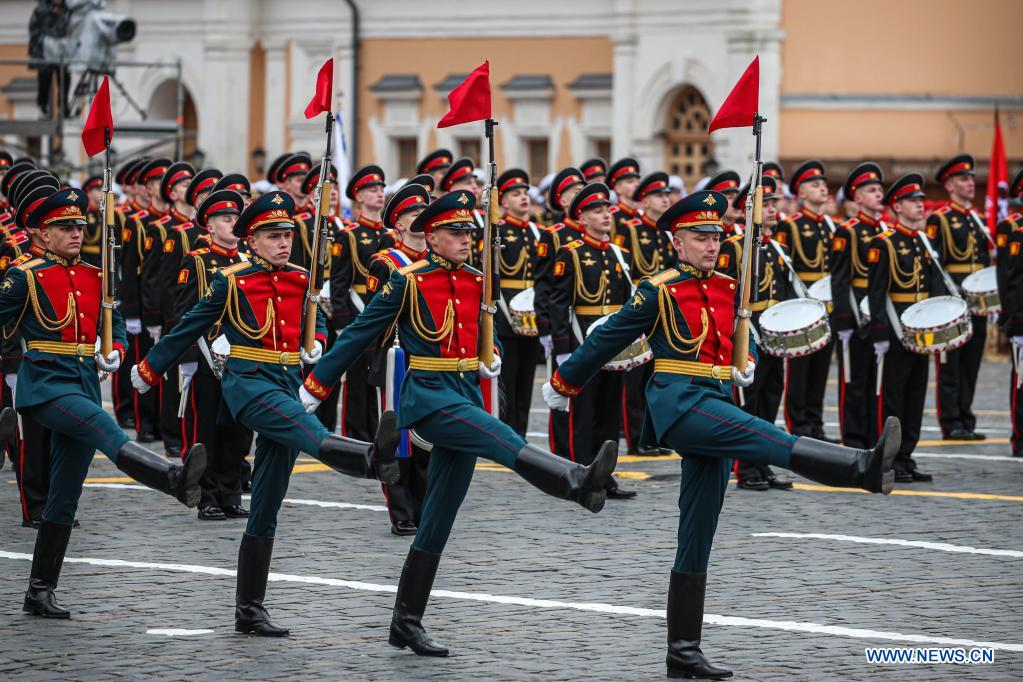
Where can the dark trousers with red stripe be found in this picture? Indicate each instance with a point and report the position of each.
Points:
(227, 442)
(804, 392)
(903, 392)
(518, 368)
(762, 399)
(634, 402)
(405, 496)
(594, 416)
(145, 408)
(359, 401)
(857, 403)
(1016, 409)
(32, 467)
(957, 381)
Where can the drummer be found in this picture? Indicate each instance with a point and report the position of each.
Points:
(962, 241)
(519, 254)
(900, 269)
(589, 280)
(774, 285)
(1009, 239)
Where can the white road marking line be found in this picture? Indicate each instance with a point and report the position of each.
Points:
(307, 503)
(709, 618)
(922, 544)
(177, 632)
(963, 455)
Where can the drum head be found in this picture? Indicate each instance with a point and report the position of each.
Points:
(789, 316)
(596, 323)
(821, 289)
(981, 282)
(522, 301)
(865, 307)
(934, 312)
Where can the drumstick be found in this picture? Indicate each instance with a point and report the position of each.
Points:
(846, 364)
(880, 374)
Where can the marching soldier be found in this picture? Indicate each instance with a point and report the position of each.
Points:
(623, 177)
(651, 252)
(689, 313)
(590, 280)
(962, 242)
(564, 187)
(900, 270)
(594, 170)
(59, 386)
(435, 164)
(435, 306)
(93, 188)
(520, 243)
(1009, 271)
(727, 183)
(227, 442)
(261, 306)
(354, 246)
(849, 248)
(404, 496)
(808, 234)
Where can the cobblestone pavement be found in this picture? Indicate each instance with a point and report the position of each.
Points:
(797, 607)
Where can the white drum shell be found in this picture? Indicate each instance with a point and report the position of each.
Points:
(794, 328)
(636, 354)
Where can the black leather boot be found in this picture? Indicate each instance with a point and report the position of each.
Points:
(51, 543)
(8, 426)
(844, 467)
(150, 469)
(562, 478)
(250, 617)
(413, 592)
(365, 460)
(686, 592)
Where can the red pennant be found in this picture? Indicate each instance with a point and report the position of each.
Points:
(470, 101)
(99, 126)
(742, 103)
(324, 90)
(995, 208)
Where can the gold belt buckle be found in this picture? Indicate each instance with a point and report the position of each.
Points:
(283, 359)
(463, 364)
(715, 372)
(83, 349)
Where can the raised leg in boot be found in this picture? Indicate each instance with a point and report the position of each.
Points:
(180, 481)
(413, 592)
(568, 480)
(844, 467)
(365, 460)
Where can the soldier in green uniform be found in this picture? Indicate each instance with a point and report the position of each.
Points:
(260, 304)
(961, 239)
(435, 306)
(55, 301)
(688, 313)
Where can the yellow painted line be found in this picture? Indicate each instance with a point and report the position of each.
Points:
(111, 479)
(634, 475)
(962, 443)
(629, 459)
(914, 493)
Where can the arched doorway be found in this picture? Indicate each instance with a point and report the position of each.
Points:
(686, 143)
(163, 106)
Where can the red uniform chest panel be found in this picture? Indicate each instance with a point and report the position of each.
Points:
(716, 295)
(464, 290)
(285, 290)
(84, 283)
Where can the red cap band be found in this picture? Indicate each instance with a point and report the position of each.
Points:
(863, 179)
(511, 182)
(62, 213)
(596, 197)
(439, 161)
(405, 205)
(725, 186)
(458, 215)
(809, 175)
(277, 215)
(903, 191)
(459, 174)
(622, 171)
(178, 177)
(963, 167)
(154, 173)
(368, 179)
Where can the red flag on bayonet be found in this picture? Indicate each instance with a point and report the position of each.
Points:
(742, 103)
(470, 101)
(99, 125)
(324, 90)
(995, 208)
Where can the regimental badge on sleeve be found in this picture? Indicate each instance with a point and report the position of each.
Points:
(168, 246)
(874, 255)
(385, 292)
(183, 276)
(372, 282)
(782, 238)
(637, 300)
(932, 231)
(723, 260)
(125, 234)
(1014, 249)
(149, 243)
(839, 244)
(1002, 240)
(541, 249)
(8, 283)
(559, 268)
(335, 249)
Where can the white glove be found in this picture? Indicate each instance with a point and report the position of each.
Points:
(554, 400)
(12, 381)
(134, 326)
(880, 348)
(313, 356)
(309, 401)
(844, 336)
(493, 371)
(137, 381)
(744, 379)
(188, 369)
(155, 331)
(562, 358)
(109, 363)
(1017, 341)
(548, 345)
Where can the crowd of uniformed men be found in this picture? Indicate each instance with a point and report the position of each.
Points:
(577, 275)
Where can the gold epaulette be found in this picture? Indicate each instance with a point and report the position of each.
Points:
(164, 220)
(721, 274)
(291, 267)
(28, 265)
(232, 269)
(883, 235)
(140, 214)
(943, 210)
(468, 268)
(305, 215)
(418, 265)
(200, 251)
(614, 209)
(735, 238)
(574, 244)
(662, 277)
(23, 258)
(181, 227)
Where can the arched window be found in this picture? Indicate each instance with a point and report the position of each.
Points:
(686, 143)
